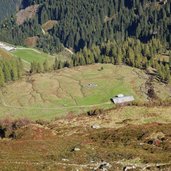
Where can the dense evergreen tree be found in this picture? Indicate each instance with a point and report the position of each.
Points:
(10, 70)
(14, 71)
(8, 7)
(6, 71)
(2, 79)
(46, 66)
(112, 31)
(86, 22)
(131, 52)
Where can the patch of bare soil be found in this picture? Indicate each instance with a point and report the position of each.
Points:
(35, 132)
(27, 13)
(49, 25)
(31, 41)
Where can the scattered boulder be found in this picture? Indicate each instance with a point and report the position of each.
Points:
(96, 126)
(129, 168)
(103, 166)
(65, 160)
(76, 149)
(91, 85)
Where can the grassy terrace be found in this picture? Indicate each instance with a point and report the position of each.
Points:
(77, 90)
(31, 55)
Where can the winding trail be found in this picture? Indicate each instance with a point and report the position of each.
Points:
(23, 48)
(57, 108)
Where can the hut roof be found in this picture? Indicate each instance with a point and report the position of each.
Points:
(123, 99)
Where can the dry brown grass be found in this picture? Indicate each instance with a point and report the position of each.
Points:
(49, 25)
(4, 54)
(44, 147)
(27, 13)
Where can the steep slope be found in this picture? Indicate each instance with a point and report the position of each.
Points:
(4, 54)
(10, 7)
(123, 141)
(26, 14)
(83, 23)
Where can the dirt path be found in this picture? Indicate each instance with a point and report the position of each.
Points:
(69, 51)
(22, 48)
(57, 108)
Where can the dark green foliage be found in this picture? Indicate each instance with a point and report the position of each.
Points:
(46, 66)
(10, 70)
(130, 52)
(99, 31)
(7, 71)
(86, 22)
(2, 79)
(36, 67)
(8, 7)
(50, 44)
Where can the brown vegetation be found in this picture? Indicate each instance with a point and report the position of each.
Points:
(27, 13)
(49, 25)
(138, 146)
(31, 41)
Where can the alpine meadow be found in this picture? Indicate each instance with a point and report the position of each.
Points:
(85, 85)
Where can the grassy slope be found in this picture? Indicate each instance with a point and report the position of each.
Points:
(50, 95)
(31, 55)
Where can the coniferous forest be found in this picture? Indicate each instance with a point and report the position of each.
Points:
(10, 70)
(8, 7)
(112, 31)
(85, 22)
(85, 85)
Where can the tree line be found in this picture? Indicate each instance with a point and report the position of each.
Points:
(131, 52)
(83, 23)
(10, 70)
(37, 67)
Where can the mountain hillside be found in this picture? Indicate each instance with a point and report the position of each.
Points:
(116, 140)
(85, 22)
(79, 89)
(8, 7)
(27, 13)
